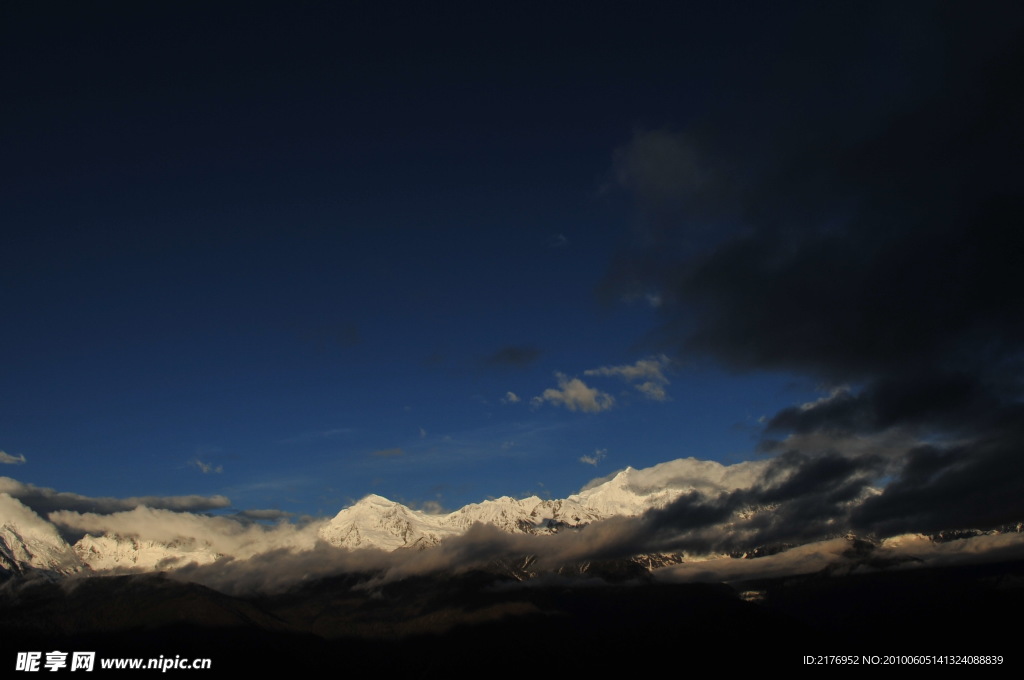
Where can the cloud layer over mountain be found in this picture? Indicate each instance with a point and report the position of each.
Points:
(794, 504)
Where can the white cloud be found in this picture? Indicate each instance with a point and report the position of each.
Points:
(18, 514)
(599, 455)
(11, 460)
(432, 508)
(709, 477)
(834, 394)
(575, 395)
(225, 535)
(510, 398)
(646, 375)
(207, 468)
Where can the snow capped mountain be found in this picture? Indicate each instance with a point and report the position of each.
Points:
(527, 516)
(112, 552)
(144, 539)
(30, 543)
(379, 523)
(623, 495)
(376, 522)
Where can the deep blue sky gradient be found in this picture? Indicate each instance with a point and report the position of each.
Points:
(278, 239)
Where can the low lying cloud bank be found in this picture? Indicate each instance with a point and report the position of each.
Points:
(223, 535)
(800, 510)
(841, 556)
(44, 500)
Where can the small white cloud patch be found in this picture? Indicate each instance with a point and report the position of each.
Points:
(575, 395)
(646, 375)
(8, 459)
(599, 455)
(207, 468)
(510, 398)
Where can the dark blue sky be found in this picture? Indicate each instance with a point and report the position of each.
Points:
(297, 253)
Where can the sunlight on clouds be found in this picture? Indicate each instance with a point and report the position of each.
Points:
(15, 460)
(224, 535)
(646, 375)
(833, 395)
(575, 395)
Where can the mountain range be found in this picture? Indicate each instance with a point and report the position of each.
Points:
(30, 543)
(789, 602)
(364, 535)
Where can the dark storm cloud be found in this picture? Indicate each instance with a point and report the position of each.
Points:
(911, 399)
(799, 498)
(978, 483)
(43, 500)
(513, 356)
(868, 239)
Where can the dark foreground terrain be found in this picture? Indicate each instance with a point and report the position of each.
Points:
(475, 622)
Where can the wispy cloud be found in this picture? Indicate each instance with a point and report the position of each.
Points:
(599, 455)
(8, 459)
(575, 395)
(207, 468)
(646, 375)
(510, 398)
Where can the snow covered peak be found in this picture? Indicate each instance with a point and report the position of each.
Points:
(374, 499)
(381, 523)
(28, 542)
(371, 503)
(376, 522)
(117, 553)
